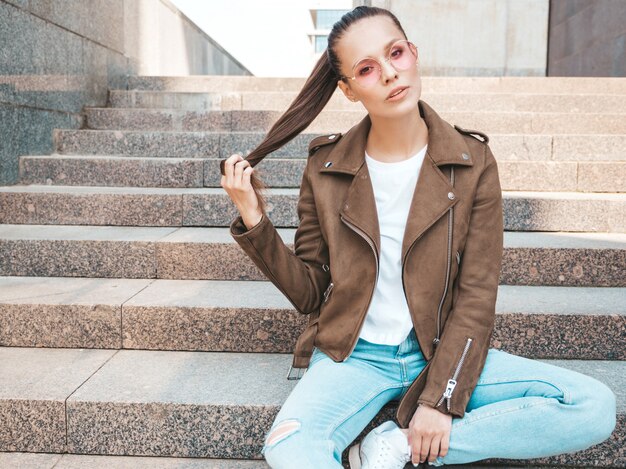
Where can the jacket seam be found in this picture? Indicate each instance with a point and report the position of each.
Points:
(319, 244)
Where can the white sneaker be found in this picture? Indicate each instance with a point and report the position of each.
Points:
(385, 447)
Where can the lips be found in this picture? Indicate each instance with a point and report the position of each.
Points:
(396, 91)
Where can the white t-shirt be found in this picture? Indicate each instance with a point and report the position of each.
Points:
(388, 320)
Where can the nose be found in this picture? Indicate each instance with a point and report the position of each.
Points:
(388, 71)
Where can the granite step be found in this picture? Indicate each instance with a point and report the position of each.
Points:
(194, 253)
(214, 315)
(138, 206)
(180, 404)
(22, 460)
(430, 84)
(130, 171)
(280, 101)
(506, 147)
(510, 122)
(157, 144)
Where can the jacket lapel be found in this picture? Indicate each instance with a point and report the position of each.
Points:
(431, 198)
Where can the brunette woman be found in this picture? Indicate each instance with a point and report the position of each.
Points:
(397, 261)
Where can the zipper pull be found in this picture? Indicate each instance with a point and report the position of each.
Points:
(449, 388)
(458, 257)
(327, 292)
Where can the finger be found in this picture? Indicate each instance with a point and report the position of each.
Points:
(415, 449)
(434, 448)
(445, 444)
(229, 167)
(424, 448)
(239, 167)
(247, 174)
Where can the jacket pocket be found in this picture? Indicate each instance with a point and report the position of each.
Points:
(447, 394)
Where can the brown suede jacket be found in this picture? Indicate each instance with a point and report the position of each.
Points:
(451, 256)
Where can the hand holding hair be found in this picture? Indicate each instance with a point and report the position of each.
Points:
(236, 182)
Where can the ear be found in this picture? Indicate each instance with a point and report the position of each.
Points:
(346, 91)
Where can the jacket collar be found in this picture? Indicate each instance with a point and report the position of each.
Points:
(434, 193)
(445, 144)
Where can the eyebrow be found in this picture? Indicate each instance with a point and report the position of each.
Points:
(387, 46)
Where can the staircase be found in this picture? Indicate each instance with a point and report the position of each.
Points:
(135, 333)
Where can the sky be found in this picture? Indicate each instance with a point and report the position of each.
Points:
(268, 37)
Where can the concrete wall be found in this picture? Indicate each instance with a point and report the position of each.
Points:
(58, 56)
(163, 41)
(587, 38)
(475, 37)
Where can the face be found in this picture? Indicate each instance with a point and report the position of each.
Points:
(369, 38)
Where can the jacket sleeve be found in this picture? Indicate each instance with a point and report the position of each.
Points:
(461, 353)
(301, 274)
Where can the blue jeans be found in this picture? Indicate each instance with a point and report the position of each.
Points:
(520, 408)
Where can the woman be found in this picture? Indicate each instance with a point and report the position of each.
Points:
(397, 261)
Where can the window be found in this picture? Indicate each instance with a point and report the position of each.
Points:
(326, 18)
(321, 42)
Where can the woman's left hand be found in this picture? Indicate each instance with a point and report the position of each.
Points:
(429, 434)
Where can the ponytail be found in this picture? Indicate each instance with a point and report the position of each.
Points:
(310, 101)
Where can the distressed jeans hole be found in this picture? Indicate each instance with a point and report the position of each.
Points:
(282, 431)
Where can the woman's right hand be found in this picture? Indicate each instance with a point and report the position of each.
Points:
(236, 182)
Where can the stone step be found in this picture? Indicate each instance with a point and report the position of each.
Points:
(187, 144)
(187, 253)
(280, 101)
(430, 84)
(509, 147)
(22, 460)
(183, 120)
(130, 171)
(138, 206)
(211, 315)
(189, 404)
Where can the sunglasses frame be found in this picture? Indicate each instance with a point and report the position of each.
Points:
(387, 59)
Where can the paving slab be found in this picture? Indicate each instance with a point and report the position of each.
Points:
(34, 386)
(64, 311)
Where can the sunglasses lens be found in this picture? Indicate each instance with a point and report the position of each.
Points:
(403, 55)
(367, 72)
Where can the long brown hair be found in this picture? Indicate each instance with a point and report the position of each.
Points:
(310, 101)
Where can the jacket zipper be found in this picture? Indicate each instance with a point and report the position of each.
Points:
(328, 290)
(371, 243)
(436, 340)
(447, 394)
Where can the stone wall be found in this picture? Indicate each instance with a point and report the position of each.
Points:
(58, 56)
(587, 38)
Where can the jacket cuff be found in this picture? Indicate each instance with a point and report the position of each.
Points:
(442, 408)
(239, 230)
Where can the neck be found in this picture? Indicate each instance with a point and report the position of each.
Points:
(398, 138)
